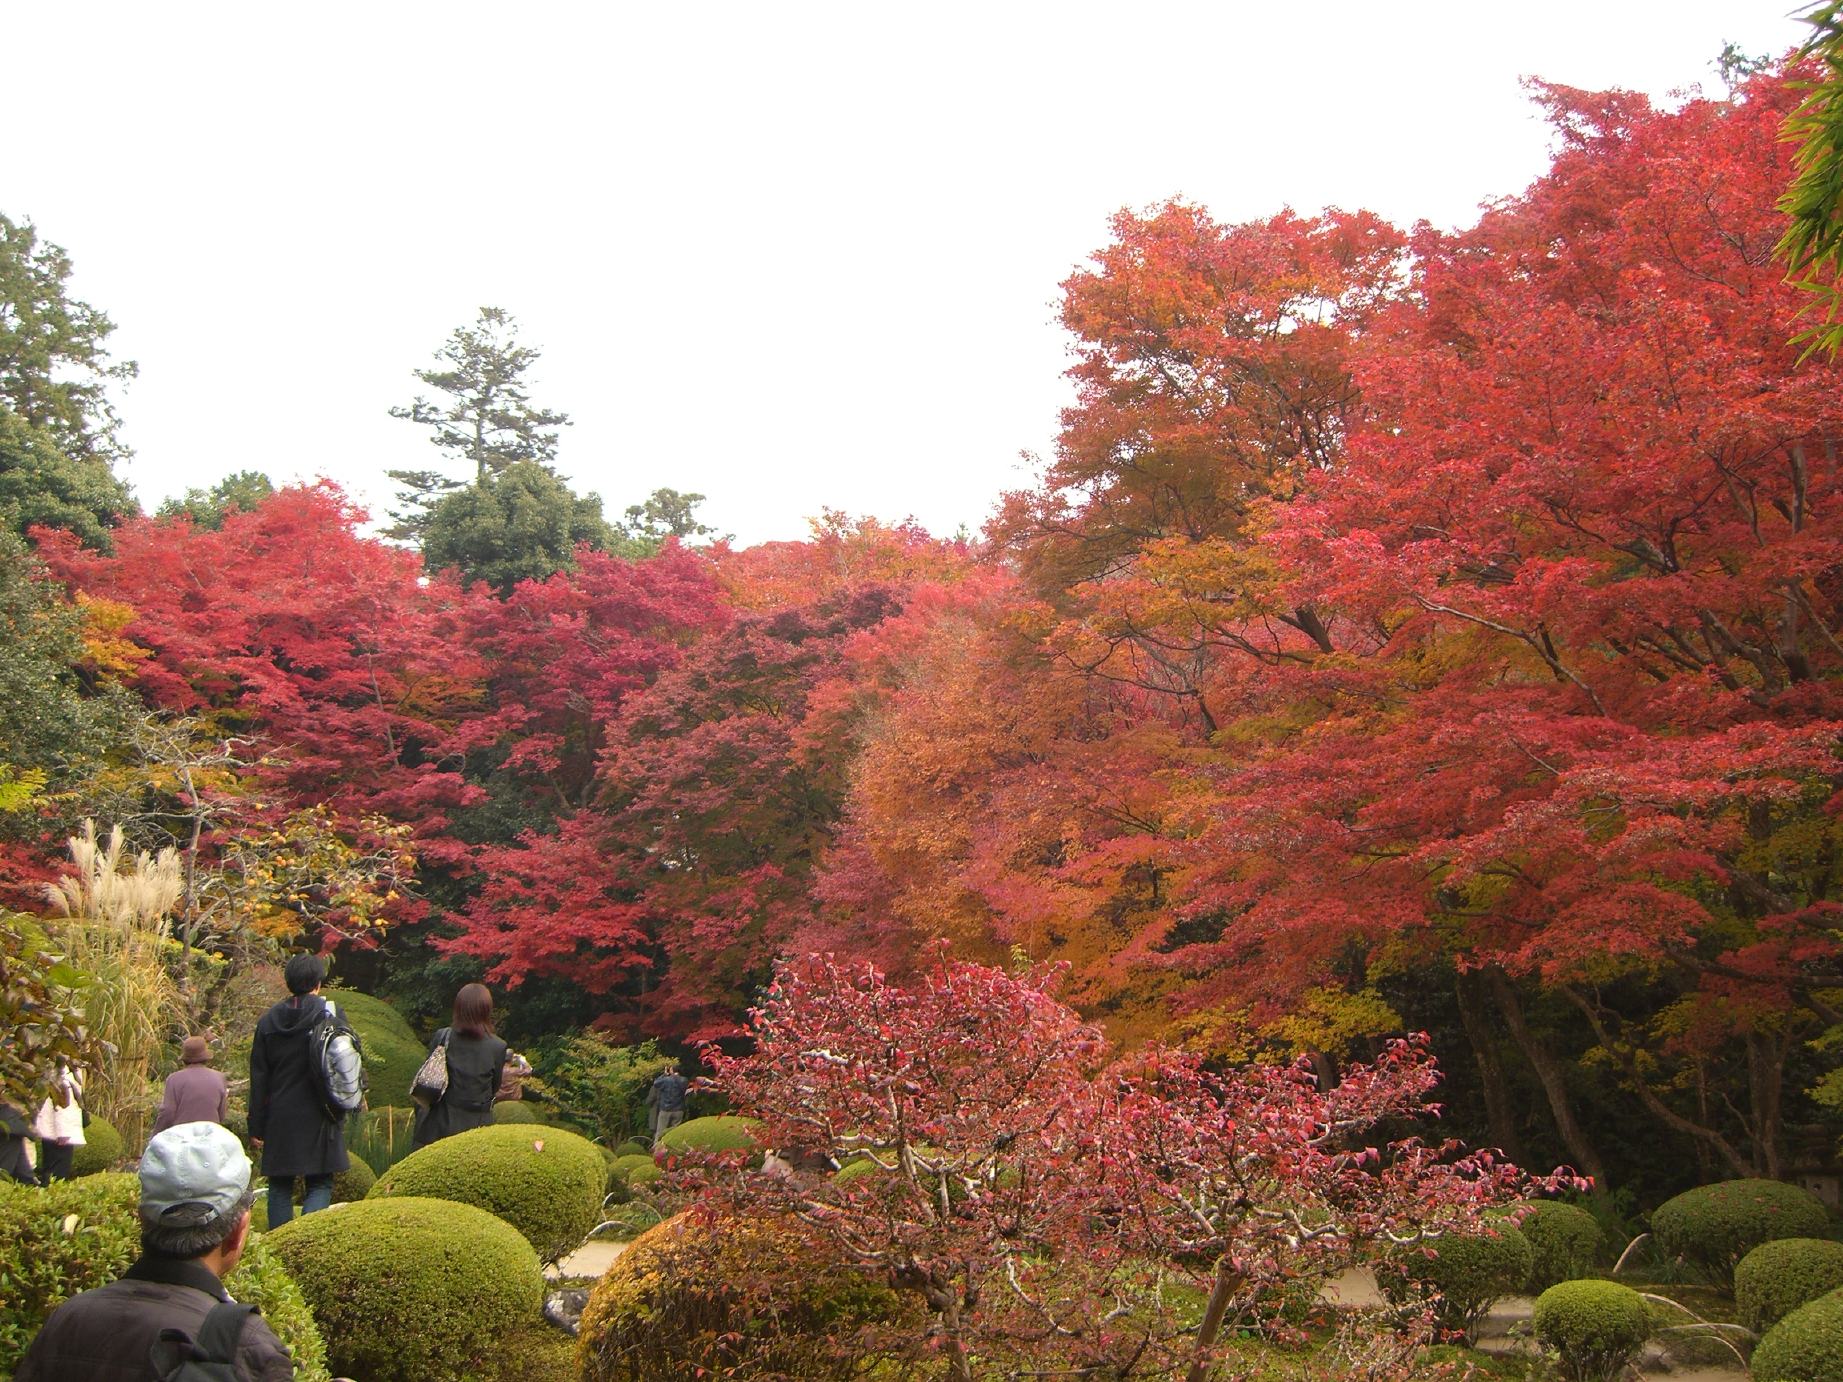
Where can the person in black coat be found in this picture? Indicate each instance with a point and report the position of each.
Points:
(476, 1065)
(289, 1122)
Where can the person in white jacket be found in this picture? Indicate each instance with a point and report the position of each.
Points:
(59, 1125)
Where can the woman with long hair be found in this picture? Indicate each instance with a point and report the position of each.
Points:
(476, 1065)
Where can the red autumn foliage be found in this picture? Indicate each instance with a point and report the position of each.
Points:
(1024, 1189)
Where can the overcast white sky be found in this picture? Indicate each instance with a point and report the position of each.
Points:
(793, 256)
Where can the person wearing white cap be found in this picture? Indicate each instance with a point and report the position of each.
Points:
(171, 1305)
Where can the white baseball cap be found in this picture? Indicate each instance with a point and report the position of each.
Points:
(193, 1173)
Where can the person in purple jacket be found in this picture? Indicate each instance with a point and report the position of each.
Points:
(195, 1093)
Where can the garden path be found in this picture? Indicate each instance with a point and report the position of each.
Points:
(589, 1260)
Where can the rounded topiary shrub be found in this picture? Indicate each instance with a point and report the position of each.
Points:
(633, 1146)
(1777, 1277)
(693, 1299)
(411, 1290)
(42, 1264)
(1564, 1243)
(102, 1148)
(637, 1169)
(1806, 1346)
(1714, 1226)
(724, 1132)
(516, 1111)
(1597, 1327)
(548, 1184)
(1461, 1274)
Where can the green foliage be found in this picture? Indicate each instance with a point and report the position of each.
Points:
(48, 728)
(393, 1055)
(41, 1014)
(40, 486)
(1597, 1327)
(665, 514)
(411, 1290)
(1805, 1346)
(521, 525)
(207, 508)
(54, 360)
(602, 1083)
(517, 1111)
(42, 1264)
(102, 1148)
(637, 1168)
(1776, 1278)
(1714, 1226)
(382, 1136)
(1564, 1242)
(722, 1133)
(261, 1280)
(350, 1185)
(690, 1300)
(545, 1182)
(1813, 242)
(633, 1146)
(1461, 1275)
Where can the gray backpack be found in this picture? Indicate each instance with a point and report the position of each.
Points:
(212, 1357)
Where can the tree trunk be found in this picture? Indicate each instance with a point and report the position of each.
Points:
(1227, 1279)
(1766, 1078)
(1500, 1116)
(1552, 1073)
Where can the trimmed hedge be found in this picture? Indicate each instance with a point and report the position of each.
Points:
(393, 1055)
(516, 1111)
(1776, 1278)
(1461, 1274)
(42, 1265)
(724, 1132)
(691, 1300)
(102, 1149)
(353, 1183)
(633, 1146)
(1598, 1327)
(412, 1290)
(637, 1169)
(552, 1196)
(1714, 1226)
(1564, 1242)
(1806, 1346)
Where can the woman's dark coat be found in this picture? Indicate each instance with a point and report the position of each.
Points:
(475, 1067)
(298, 1137)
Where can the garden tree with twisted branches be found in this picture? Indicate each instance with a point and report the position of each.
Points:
(1033, 1193)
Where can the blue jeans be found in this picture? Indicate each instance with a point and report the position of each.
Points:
(318, 1195)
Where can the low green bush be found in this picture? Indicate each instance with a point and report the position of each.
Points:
(690, 1300)
(393, 1054)
(1462, 1275)
(353, 1183)
(722, 1133)
(633, 1146)
(1596, 1327)
(102, 1149)
(42, 1264)
(1806, 1346)
(412, 1290)
(545, 1182)
(516, 1111)
(1564, 1243)
(1714, 1226)
(1777, 1277)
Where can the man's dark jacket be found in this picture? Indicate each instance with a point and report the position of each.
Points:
(286, 1111)
(106, 1335)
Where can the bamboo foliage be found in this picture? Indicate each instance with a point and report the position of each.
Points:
(118, 910)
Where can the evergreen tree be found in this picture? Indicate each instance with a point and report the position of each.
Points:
(523, 523)
(486, 417)
(238, 493)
